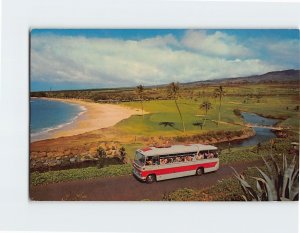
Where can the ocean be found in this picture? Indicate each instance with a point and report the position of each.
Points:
(49, 115)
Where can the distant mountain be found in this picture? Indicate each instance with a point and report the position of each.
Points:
(274, 76)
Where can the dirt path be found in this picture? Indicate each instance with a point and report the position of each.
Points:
(127, 188)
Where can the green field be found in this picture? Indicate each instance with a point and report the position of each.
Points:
(276, 102)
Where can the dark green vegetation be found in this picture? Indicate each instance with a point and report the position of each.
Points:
(247, 154)
(37, 178)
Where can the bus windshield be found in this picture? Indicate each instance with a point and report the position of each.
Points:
(139, 158)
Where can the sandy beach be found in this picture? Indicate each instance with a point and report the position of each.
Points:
(96, 116)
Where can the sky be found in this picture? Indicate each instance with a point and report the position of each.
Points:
(66, 59)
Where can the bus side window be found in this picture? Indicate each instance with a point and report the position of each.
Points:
(163, 160)
(205, 154)
(210, 155)
(171, 159)
(149, 160)
(155, 160)
(191, 157)
(177, 158)
(199, 156)
(216, 155)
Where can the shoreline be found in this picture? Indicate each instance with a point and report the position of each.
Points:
(94, 116)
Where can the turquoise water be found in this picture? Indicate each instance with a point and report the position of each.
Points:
(49, 115)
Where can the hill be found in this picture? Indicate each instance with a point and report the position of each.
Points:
(274, 76)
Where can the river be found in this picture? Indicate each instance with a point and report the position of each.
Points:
(261, 134)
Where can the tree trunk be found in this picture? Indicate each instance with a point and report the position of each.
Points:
(142, 108)
(180, 116)
(220, 110)
(205, 117)
(204, 120)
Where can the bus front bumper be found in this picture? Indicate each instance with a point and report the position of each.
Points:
(137, 175)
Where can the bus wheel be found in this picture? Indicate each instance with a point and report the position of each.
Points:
(150, 179)
(199, 171)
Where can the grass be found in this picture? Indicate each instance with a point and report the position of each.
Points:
(37, 178)
(224, 190)
(165, 110)
(273, 101)
(247, 154)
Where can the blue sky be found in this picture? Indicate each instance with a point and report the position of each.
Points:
(78, 59)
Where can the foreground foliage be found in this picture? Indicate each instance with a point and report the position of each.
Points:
(224, 190)
(37, 178)
(280, 184)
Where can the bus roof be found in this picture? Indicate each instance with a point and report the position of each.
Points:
(175, 149)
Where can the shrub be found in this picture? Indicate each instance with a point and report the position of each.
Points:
(122, 152)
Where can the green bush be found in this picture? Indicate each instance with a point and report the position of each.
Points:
(37, 178)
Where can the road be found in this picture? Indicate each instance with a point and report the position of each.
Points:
(127, 188)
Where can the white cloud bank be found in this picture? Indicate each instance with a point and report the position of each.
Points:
(163, 59)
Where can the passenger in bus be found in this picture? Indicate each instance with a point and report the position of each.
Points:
(155, 160)
(189, 158)
(210, 155)
(178, 159)
(170, 160)
(199, 156)
(149, 161)
(206, 155)
(163, 161)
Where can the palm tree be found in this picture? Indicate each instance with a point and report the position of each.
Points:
(206, 105)
(140, 91)
(219, 92)
(173, 90)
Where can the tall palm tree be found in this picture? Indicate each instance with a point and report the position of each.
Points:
(173, 91)
(219, 92)
(206, 105)
(140, 91)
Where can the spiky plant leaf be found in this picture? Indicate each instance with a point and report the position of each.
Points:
(246, 187)
(272, 194)
(244, 197)
(284, 199)
(267, 165)
(281, 185)
(287, 177)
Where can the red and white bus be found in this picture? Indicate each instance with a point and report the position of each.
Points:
(161, 163)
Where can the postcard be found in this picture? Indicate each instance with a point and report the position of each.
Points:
(164, 115)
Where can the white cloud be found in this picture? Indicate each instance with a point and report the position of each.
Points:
(111, 62)
(219, 44)
(285, 52)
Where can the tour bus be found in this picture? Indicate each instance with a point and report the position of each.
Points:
(167, 162)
